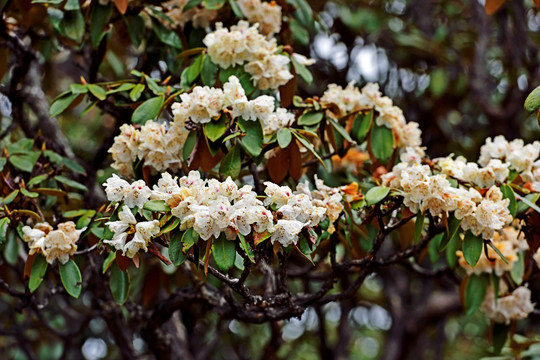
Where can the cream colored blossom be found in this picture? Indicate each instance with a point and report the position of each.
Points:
(198, 15)
(266, 14)
(53, 244)
(286, 232)
(270, 72)
(514, 306)
(124, 150)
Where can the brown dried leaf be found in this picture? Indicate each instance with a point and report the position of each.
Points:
(492, 6)
(278, 166)
(121, 5)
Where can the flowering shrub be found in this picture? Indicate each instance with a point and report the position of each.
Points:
(232, 182)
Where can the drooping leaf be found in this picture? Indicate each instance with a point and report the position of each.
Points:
(157, 206)
(246, 247)
(61, 104)
(208, 72)
(98, 19)
(232, 163)
(189, 239)
(39, 268)
(165, 35)
(508, 193)
(361, 126)
(382, 142)
(475, 292)
(253, 140)
(136, 92)
(418, 226)
(302, 71)
(119, 284)
(518, 269)
(310, 118)
(499, 334)
(71, 278)
(224, 252)
(176, 254)
(472, 248)
(136, 29)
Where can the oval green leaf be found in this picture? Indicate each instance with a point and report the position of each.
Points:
(148, 110)
(376, 194)
(119, 284)
(71, 278)
(224, 252)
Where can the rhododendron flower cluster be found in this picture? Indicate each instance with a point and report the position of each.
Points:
(510, 242)
(53, 244)
(199, 16)
(130, 236)
(266, 14)
(514, 306)
(243, 44)
(423, 191)
(204, 104)
(213, 208)
(517, 156)
(351, 99)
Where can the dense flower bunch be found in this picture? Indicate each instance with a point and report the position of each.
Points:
(160, 145)
(266, 14)
(244, 45)
(199, 16)
(510, 242)
(204, 104)
(213, 208)
(514, 306)
(351, 99)
(131, 235)
(53, 244)
(516, 156)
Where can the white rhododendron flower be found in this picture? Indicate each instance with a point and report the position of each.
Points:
(514, 306)
(142, 234)
(198, 15)
(266, 14)
(53, 244)
(244, 45)
(286, 232)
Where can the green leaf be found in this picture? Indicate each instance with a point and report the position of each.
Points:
(532, 103)
(73, 25)
(71, 278)
(73, 165)
(361, 125)
(165, 35)
(433, 247)
(214, 4)
(508, 193)
(452, 231)
(136, 92)
(475, 292)
(340, 130)
(253, 141)
(189, 145)
(299, 32)
(191, 4)
(71, 183)
(189, 239)
(39, 268)
(208, 72)
(519, 269)
(4, 222)
(157, 206)
(136, 29)
(247, 249)
(123, 87)
(529, 201)
(98, 19)
(301, 70)
(109, 261)
(11, 250)
(382, 142)
(77, 213)
(453, 245)
(497, 251)
(308, 146)
(148, 110)
(284, 137)
(97, 91)
(193, 71)
(232, 163)
(12, 195)
(310, 118)
(418, 226)
(119, 284)
(499, 334)
(29, 194)
(3, 162)
(236, 9)
(153, 85)
(224, 252)
(61, 104)
(176, 254)
(216, 128)
(78, 89)
(24, 162)
(376, 194)
(472, 248)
